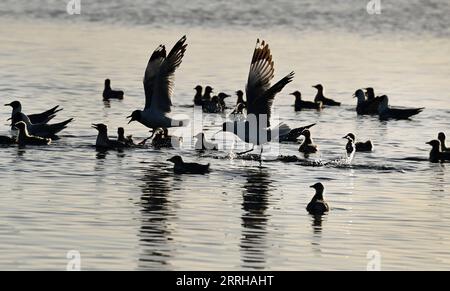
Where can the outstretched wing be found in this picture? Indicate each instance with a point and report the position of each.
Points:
(261, 73)
(159, 76)
(260, 95)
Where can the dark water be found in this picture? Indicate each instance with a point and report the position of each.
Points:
(129, 211)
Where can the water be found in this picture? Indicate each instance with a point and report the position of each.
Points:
(129, 211)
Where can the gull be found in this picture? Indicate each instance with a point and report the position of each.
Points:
(318, 206)
(359, 146)
(321, 98)
(109, 93)
(43, 117)
(256, 129)
(180, 167)
(103, 140)
(436, 155)
(198, 98)
(300, 104)
(202, 144)
(308, 146)
(41, 129)
(158, 86)
(442, 138)
(25, 138)
(366, 106)
(385, 112)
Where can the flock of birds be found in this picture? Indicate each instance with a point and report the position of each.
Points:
(252, 113)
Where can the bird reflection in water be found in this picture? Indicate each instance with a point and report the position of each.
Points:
(155, 210)
(254, 218)
(316, 223)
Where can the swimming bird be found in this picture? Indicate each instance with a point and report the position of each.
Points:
(41, 129)
(24, 138)
(121, 137)
(318, 206)
(350, 147)
(202, 144)
(442, 138)
(163, 140)
(212, 106)
(256, 129)
(109, 93)
(6, 140)
(436, 155)
(366, 106)
(385, 112)
(198, 98)
(43, 117)
(321, 98)
(181, 167)
(360, 146)
(370, 93)
(300, 104)
(308, 146)
(158, 86)
(207, 96)
(222, 96)
(294, 134)
(240, 98)
(103, 140)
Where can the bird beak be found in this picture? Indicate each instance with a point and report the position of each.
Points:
(345, 137)
(131, 120)
(95, 126)
(9, 119)
(312, 186)
(354, 95)
(428, 143)
(8, 104)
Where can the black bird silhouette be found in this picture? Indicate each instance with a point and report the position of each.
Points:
(318, 206)
(385, 112)
(25, 138)
(181, 167)
(39, 118)
(301, 105)
(109, 93)
(321, 98)
(436, 155)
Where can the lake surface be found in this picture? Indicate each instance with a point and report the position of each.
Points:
(128, 211)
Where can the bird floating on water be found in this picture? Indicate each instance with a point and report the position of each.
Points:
(360, 146)
(216, 104)
(308, 146)
(321, 98)
(41, 129)
(256, 129)
(103, 141)
(180, 167)
(301, 105)
(158, 86)
(442, 138)
(385, 112)
(162, 140)
(203, 145)
(128, 140)
(436, 155)
(39, 118)
(24, 138)
(366, 106)
(198, 98)
(318, 206)
(109, 93)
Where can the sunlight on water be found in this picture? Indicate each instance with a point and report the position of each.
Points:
(129, 211)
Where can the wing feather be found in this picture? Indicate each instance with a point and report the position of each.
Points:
(159, 78)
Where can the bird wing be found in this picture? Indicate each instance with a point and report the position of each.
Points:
(260, 95)
(261, 73)
(159, 76)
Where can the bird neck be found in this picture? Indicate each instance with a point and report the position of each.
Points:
(318, 196)
(240, 99)
(443, 145)
(16, 110)
(319, 92)
(102, 138)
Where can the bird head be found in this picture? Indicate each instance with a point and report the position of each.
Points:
(350, 136)
(135, 116)
(297, 94)
(176, 160)
(434, 143)
(100, 127)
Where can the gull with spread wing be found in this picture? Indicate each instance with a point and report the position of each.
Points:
(256, 128)
(158, 86)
